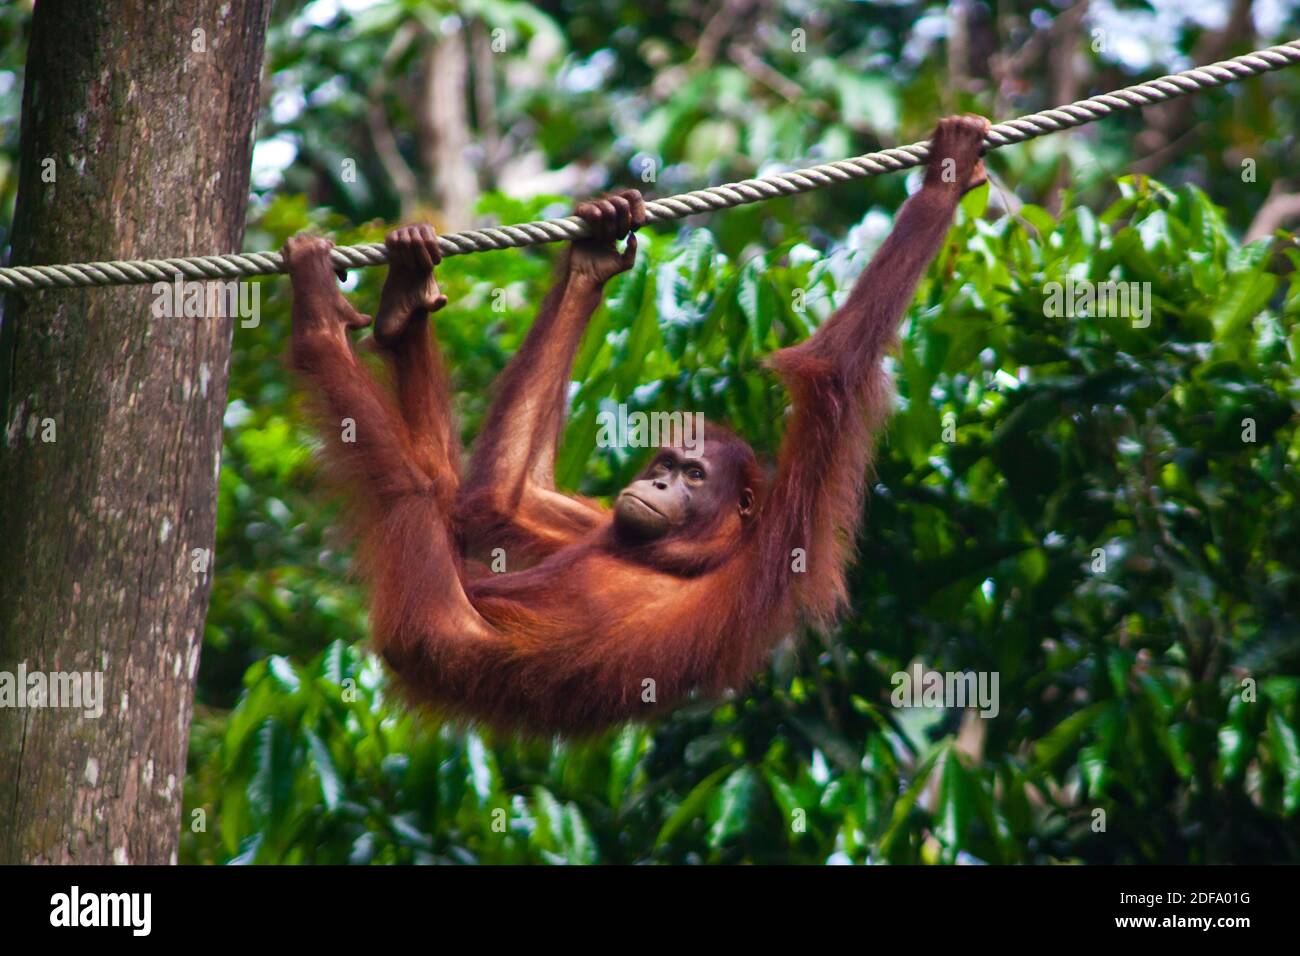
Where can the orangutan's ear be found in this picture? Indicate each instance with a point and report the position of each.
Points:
(746, 502)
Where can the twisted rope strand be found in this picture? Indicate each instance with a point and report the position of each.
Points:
(672, 207)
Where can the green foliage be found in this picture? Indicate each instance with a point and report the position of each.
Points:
(1098, 532)
(1121, 689)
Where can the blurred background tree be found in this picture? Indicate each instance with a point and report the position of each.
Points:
(1113, 529)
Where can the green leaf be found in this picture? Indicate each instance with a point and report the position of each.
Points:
(784, 795)
(628, 746)
(550, 816)
(580, 844)
(956, 805)
(733, 806)
(1248, 288)
(271, 784)
(693, 806)
(903, 806)
(330, 783)
(975, 203)
(283, 671)
(1286, 751)
(757, 305)
(1094, 759)
(1038, 217)
(1063, 736)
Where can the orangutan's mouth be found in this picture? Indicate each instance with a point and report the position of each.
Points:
(642, 502)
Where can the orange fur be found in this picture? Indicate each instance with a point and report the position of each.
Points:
(583, 631)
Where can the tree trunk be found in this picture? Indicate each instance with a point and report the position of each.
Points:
(444, 129)
(143, 112)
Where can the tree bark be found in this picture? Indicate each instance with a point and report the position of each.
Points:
(444, 129)
(112, 417)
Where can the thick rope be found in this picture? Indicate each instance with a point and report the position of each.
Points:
(672, 207)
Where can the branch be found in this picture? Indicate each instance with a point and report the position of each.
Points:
(1166, 122)
(390, 157)
(1278, 209)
